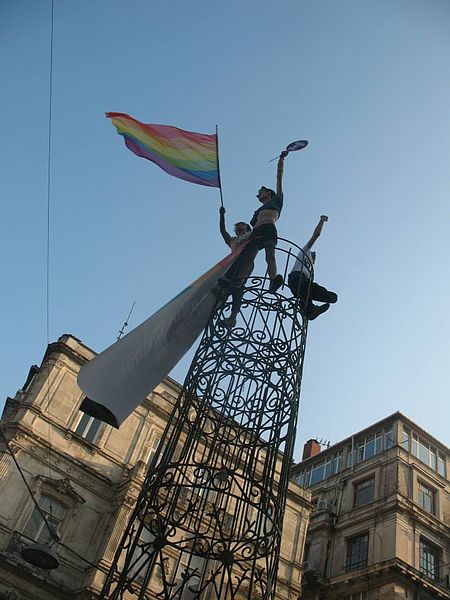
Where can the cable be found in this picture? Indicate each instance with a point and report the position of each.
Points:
(49, 165)
(53, 536)
(8, 447)
(44, 518)
(49, 154)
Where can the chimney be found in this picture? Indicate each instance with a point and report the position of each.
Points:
(311, 448)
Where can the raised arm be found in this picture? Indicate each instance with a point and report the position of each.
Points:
(317, 231)
(280, 173)
(226, 236)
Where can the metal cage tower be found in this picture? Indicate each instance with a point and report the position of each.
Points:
(207, 524)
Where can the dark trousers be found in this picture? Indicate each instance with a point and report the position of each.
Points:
(264, 236)
(307, 290)
(237, 275)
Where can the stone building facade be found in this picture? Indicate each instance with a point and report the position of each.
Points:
(380, 526)
(86, 477)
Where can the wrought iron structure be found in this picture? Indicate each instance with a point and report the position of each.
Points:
(208, 521)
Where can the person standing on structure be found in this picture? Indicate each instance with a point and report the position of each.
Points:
(264, 235)
(301, 279)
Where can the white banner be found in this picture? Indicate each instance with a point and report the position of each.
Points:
(118, 379)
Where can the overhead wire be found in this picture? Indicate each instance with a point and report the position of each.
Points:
(47, 266)
(8, 447)
(53, 536)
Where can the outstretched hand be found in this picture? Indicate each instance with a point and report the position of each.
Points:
(222, 210)
(323, 218)
(284, 154)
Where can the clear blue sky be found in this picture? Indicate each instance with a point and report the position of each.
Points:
(367, 82)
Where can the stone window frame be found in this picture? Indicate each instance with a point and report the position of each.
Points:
(361, 482)
(434, 495)
(91, 421)
(138, 557)
(62, 492)
(54, 522)
(75, 421)
(152, 447)
(362, 539)
(151, 444)
(421, 476)
(424, 541)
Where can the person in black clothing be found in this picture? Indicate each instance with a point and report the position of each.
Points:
(264, 235)
(301, 279)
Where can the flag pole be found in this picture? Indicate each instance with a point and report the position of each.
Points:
(218, 165)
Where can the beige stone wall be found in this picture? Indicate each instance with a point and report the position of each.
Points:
(101, 482)
(394, 520)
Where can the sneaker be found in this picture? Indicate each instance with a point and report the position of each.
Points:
(332, 297)
(276, 283)
(314, 312)
(229, 322)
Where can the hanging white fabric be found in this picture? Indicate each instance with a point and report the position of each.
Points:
(118, 379)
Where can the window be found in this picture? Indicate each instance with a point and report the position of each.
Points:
(429, 559)
(406, 434)
(189, 577)
(415, 445)
(141, 553)
(426, 497)
(54, 512)
(424, 452)
(356, 596)
(202, 482)
(427, 454)
(151, 460)
(306, 552)
(371, 446)
(364, 492)
(320, 471)
(262, 523)
(357, 552)
(300, 478)
(441, 464)
(388, 438)
(350, 459)
(88, 427)
(337, 463)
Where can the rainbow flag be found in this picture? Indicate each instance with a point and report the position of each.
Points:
(183, 154)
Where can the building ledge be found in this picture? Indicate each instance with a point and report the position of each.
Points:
(386, 569)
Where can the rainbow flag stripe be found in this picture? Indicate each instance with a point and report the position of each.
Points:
(183, 154)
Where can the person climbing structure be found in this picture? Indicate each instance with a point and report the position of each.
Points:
(242, 231)
(301, 279)
(230, 283)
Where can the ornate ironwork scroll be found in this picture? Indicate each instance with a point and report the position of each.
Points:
(208, 521)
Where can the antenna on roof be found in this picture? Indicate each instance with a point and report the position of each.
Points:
(126, 321)
(324, 442)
